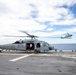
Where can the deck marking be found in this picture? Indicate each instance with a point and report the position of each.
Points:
(69, 57)
(16, 59)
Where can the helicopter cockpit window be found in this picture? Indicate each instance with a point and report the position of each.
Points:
(38, 45)
(18, 42)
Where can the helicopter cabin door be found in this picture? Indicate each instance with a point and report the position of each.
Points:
(30, 46)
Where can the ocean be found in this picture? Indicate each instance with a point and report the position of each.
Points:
(64, 46)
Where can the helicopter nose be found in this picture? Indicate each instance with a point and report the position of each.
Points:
(51, 48)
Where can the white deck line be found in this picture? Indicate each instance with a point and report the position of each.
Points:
(69, 57)
(16, 59)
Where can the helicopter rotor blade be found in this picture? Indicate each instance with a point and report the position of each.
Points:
(29, 35)
(13, 36)
(52, 37)
(25, 32)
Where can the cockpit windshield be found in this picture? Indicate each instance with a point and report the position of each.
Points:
(18, 42)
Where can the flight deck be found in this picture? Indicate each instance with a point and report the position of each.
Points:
(29, 63)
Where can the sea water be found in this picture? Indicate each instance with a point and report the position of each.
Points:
(64, 46)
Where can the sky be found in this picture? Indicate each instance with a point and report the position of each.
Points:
(43, 18)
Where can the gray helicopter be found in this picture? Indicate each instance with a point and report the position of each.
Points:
(31, 44)
(64, 36)
(67, 35)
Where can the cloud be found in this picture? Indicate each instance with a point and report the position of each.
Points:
(3, 9)
(73, 29)
(40, 10)
(38, 16)
(49, 29)
(19, 24)
(65, 22)
(54, 12)
(61, 2)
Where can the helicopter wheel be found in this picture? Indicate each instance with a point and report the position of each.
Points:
(36, 51)
(0, 51)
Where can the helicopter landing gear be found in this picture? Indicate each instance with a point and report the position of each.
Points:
(36, 51)
(0, 51)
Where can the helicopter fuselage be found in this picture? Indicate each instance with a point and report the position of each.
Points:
(28, 45)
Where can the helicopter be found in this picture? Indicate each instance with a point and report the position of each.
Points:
(64, 36)
(67, 35)
(31, 44)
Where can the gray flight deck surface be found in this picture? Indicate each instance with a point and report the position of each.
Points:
(50, 63)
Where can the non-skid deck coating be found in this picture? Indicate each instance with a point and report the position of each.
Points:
(51, 63)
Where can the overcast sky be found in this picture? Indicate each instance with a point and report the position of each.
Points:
(48, 18)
